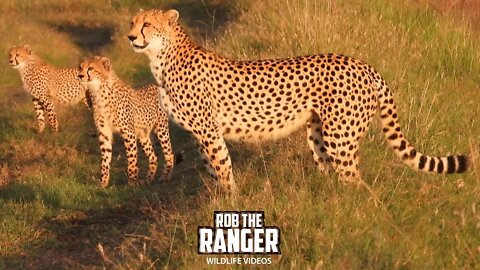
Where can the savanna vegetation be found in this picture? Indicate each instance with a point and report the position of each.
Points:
(54, 214)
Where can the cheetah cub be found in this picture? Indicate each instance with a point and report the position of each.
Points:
(132, 113)
(47, 84)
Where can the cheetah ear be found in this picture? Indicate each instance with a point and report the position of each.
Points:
(106, 63)
(28, 49)
(172, 16)
(140, 10)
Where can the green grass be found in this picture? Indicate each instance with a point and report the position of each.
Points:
(54, 214)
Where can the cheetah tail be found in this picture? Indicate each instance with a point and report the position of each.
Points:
(403, 149)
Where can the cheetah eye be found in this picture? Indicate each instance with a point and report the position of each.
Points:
(89, 69)
(146, 24)
(131, 23)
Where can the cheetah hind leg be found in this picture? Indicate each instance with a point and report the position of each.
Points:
(163, 135)
(130, 142)
(316, 144)
(147, 147)
(52, 116)
(344, 157)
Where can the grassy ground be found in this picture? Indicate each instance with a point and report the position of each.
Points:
(53, 214)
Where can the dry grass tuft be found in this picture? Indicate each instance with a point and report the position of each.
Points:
(5, 176)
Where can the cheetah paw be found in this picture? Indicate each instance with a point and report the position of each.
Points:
(136, 183)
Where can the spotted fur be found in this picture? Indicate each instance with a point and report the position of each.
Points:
(134, 113)
(47, 84)
(213, 97)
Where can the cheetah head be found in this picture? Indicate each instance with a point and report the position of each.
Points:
(19, 56)
(152, 30)
(94, 71)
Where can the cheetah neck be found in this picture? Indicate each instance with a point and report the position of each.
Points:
(102, 113)
(31, 66)
(100, 92)
(159, 59)
(31, 70)
(158, 62)
(95, 89)
(113, 81)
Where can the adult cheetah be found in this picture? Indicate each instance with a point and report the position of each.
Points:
(133, 113)
(47, 83)
(213, 97)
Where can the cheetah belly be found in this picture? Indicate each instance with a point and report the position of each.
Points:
(143, 126)
(145, 118)
(70, 95)
(264, 129)
(65, 86)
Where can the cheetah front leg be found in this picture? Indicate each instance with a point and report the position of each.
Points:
(105, 138)
(163, 135)
(39, 112)
(130, 141)
(87, 100)
(214, 147)
(52, 116)
(147, 147)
